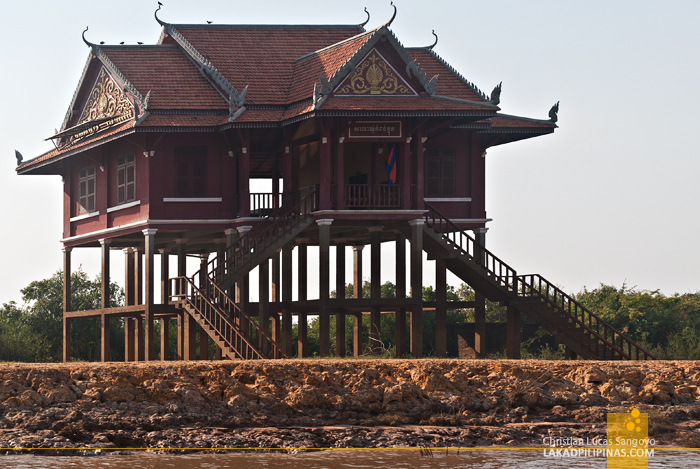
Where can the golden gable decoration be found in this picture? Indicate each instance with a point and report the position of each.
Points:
(107, 100)
(374, 76)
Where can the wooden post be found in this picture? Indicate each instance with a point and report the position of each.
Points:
(324, 239)
(420, 181)
(440, 308)
(104, 246)
(417, 287)
(164, 276)
(406, 175)
(204, 287)
(512, 333)
(375, 335)
(138, 275)
(357, 293)
(400, 293)
(302, 263)
(129, 339)
(139, 340)
(149, 300)
(129, 285)
(340, 294)
(287, 299)
(479, 300)
(287, 174)
(340, 175)
(66, 303)
(244, 177)
(325, 168)
(181, 317)
(275, 181)
(187, 325)
(164, 343)
(243, 290)
(264, 305)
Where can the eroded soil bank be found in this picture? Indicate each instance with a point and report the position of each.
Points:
(338, 403)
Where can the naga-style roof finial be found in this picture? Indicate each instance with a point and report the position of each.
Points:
(430, 47)
(162, 23)
(553, 113)
(392, 17)
(89, 44)
(496, 94)
(362, 25)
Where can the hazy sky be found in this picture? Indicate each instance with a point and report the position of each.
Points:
(610, 197)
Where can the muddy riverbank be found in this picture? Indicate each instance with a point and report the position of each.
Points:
(296, 404)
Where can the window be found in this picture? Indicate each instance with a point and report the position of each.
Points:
(126, 179)
(440, 168)
(191, 171)
(86, 190)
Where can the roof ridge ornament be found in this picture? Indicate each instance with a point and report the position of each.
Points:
(430, 47)
(393, 16)
(95, 48)
(162, 23)
(553, 113)
(19, 157)
(496, 94)
(362, 25)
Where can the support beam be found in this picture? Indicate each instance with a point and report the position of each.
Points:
(149, 300)
(417, 287)
(164, 276)
(401, 293)
(287, 299)
(164, 339)
(375, 334)
(512, 333)
(181, 317)
(190, 337)
(105, 300)
(302, 324)
(276, 333)
(357, 293)
(66, 303)
(264, 306)
(324, 240)
(340, 293)
(440, 308)
(480, 301)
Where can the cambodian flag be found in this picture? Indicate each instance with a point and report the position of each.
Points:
(391, 165)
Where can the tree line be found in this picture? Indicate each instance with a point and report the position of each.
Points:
(668, 326)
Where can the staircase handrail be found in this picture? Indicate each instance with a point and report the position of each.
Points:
(535, 283)
(258, 239)
(498, 269)
(181, 284)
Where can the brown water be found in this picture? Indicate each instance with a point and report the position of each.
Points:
(345, 458)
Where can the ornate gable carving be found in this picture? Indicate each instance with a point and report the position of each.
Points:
(374, 76)
(107, 100)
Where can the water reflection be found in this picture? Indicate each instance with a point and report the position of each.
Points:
(345, 458)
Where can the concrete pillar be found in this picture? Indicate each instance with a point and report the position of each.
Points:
(264, 305)
(400, 293)
(187, 325)
(66, 303)
(324, 239)
(512, 333)
(440, 308)
(204, 288)
(375, 335)
(479, 300)
(417, 287)
(340, 294)
(287, 299)
(149, 300)
(420, 181)
(164, 339)
(164, 276)
(302, 276)
(357, 293)
(104, 246)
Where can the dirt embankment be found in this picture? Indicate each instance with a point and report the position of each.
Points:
(338, 403)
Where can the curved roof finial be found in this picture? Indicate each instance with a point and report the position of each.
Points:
(430, 47)
(162, 23)
(393, 16)
(362, 25)
(89, 44)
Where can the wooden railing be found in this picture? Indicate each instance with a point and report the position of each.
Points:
(372, 197)
(495, 267)
(601, 333)
(229, 322)
(264, 203)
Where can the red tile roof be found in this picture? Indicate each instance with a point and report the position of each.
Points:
(449, 84)
(403, 103)
(261, 56)
(171, 77)
(510, 122)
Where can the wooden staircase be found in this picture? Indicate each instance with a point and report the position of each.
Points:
(532, 295)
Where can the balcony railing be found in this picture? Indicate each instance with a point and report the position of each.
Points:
(371, 197)
(264, 203)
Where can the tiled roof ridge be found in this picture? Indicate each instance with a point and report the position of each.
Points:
(337, 44)
(270, 26)
(449, 67)
(69, 113)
